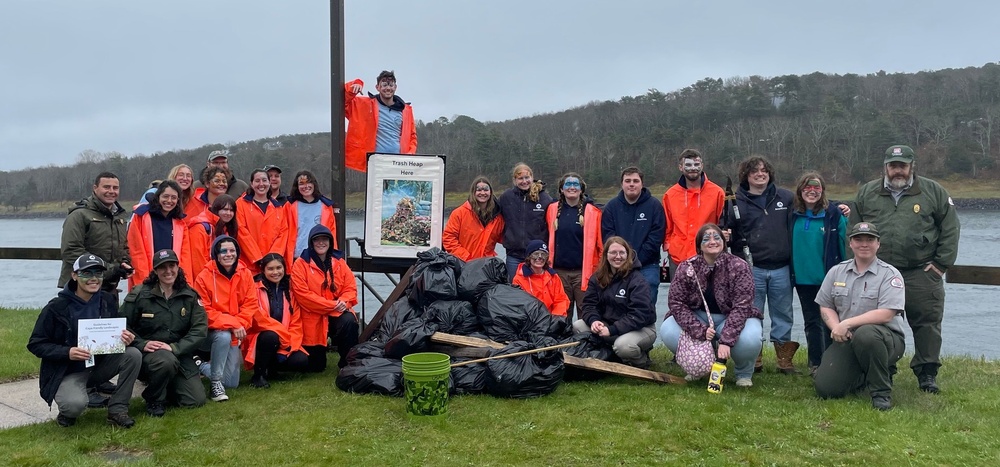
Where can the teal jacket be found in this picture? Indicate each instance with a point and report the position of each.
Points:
(923, 227)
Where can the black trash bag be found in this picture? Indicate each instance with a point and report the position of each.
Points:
(468, 379)
(531, 375)
(453, 317)
(508, 314)
(560, 328)
(434, 278)
(590, 346)
(395, 317)
(415, 336)
(479, 275)
(365, 350)
(372, 376)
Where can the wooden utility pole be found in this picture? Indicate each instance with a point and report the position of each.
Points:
(337, 170)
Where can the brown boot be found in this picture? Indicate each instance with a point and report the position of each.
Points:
(785, 352)
(758, 366)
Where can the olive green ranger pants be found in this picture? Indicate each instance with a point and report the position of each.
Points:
(924, 312)
(866, 362)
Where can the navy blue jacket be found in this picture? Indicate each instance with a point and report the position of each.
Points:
(764, 230)
(642, 224)
(524, 220)
(625, 305)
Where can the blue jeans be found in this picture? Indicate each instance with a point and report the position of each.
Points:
(651, 272)
(743, 354)
(226, 359)
(512, 263)
(775, 285)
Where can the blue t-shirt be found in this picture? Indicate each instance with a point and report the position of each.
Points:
(390, 127)
(309, 215)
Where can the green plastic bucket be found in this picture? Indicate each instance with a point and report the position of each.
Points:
(425, 383)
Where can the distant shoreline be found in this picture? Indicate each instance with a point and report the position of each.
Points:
(964, 204)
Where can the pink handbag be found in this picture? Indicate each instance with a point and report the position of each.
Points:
(695, 356)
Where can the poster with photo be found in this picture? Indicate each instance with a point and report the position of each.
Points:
(404, 207)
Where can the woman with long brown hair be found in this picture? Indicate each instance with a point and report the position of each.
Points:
(474, 228)
(218, 220)
(618, 307)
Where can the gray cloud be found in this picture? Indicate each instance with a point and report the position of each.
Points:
(142, 76)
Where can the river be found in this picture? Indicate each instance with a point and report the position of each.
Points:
(969, 328)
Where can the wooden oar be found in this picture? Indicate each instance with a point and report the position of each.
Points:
(516, 354)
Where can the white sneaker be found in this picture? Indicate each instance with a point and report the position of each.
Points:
(744, 382)
(217, 392)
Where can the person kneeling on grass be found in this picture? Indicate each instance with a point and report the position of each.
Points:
(724, 284)
(617, 306)
(274, 340)
(63, 376)
(861, 301)
(169, 324)
(536, 277)
(226, 288)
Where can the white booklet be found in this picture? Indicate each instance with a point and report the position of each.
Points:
(101, 336)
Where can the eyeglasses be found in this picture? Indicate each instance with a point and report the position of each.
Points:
(708, 237)
(483, 188)
(571, 183)
(538, 255)
(88, 275)
(617, 253)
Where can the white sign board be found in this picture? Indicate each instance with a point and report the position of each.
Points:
(404, 207)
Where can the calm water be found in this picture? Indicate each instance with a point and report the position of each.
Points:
(970, 326)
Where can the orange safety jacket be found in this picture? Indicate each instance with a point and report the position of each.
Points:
(467, 238)
(546, 287)
(593, 244)
(327, 217)
(315, 302)
(197, 204)
(362, 115)
(687, 209)
(230, 303)
(198, 241)
(261, 232)
(289, 329)
(140, 244)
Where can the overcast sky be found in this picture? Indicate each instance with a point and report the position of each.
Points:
(139, 77)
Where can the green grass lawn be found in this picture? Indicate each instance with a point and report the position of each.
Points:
(15, 360)
(306, 420)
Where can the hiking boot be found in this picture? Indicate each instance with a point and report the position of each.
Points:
(96, 401)
(785, 352)
(744, 382)
(928, 383)
(155, 409)
(218, 393)
(65, 421)
(107, 387)
(882, 403)
(259, 381)
(120, 419)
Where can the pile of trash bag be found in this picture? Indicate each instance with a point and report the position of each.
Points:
(469, 299)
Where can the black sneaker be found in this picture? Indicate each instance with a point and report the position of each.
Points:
(928, 383)
(107, 387)
(259, 381)
(120, 419)
(882, 403)
(96, 401)
(155, 409)
(65, 421)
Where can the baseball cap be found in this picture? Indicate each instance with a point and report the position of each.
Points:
(898, 153)
(863, 228)
(270, 167)
(537, 245)
(217, 154)
(87, 261)
(164, 256)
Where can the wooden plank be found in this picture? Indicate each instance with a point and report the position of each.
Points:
(393, 297)
(30, 253)
(980, 275)
(461, 352)
(593, 364)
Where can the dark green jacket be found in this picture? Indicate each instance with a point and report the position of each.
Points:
(179, 321)
(91, 228)
(922, 228)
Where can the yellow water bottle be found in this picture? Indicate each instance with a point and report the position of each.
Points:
(715, 380)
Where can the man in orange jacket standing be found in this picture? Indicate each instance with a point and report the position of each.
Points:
(381, 122)
(689, 204)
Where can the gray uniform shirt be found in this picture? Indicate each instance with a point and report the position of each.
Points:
(852, 294)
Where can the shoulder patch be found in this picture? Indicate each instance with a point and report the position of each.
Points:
(950, 202)
(896, 282)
